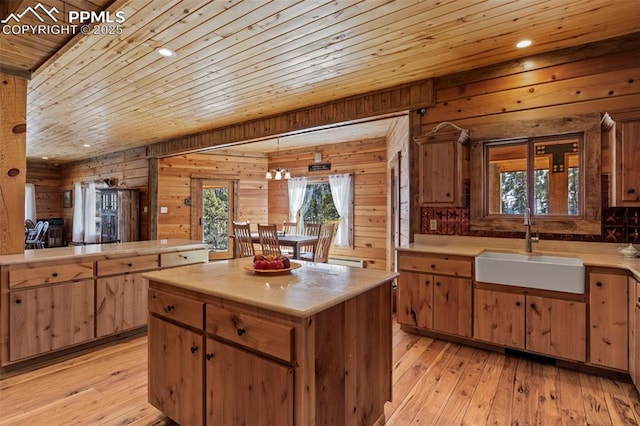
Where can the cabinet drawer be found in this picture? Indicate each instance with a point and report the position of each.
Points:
(437, 265)
(28, 277)
(252, 332)
(127, 264)
(177, 308)
(168, 260)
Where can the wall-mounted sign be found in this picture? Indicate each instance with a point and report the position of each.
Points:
(319, 166)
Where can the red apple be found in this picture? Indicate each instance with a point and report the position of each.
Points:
(261, 264)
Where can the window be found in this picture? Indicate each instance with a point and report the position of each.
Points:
(318, 205)
(552, 166)
(540, 173)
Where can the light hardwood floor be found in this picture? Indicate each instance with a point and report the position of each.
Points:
(434, 382)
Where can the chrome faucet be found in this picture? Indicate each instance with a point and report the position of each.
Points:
(528, 239)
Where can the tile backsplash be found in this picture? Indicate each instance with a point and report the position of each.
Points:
(619, 224)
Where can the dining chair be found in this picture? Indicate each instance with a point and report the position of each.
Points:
(321, 250)
(268, 236)
(310, 229)
(36, 237)
(290, 228)
(242, 234)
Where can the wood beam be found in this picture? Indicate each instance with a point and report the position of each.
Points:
(405, 97)
(13, 162)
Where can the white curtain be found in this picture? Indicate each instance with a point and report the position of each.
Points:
(90, 234)
(77, 233)
(296, 188)
(342, 193)
(30, 202)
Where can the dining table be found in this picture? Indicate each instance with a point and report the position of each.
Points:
(295, 241)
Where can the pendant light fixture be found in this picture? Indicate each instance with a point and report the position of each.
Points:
(277, 173)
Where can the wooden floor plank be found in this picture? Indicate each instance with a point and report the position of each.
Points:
(593, 400)
(500, 411)
(572, 411)
(454, 410)
(482, 399)
(434, 382)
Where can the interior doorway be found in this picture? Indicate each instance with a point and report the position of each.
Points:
(212, 215)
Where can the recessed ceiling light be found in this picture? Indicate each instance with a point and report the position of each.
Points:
(45, 158)
(163, 51)
(523, 43)
(86, 145)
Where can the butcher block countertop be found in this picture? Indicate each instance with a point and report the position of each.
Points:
(301, 293)
(592, 254)
(106, 251)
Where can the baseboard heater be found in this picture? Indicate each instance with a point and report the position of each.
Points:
(356, 263)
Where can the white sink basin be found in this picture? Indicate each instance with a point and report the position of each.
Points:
(536, 271)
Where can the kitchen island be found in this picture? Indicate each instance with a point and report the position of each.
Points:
(58, 301)
(232, 346)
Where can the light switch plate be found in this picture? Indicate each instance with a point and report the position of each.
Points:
(164, 209)
(433, 225)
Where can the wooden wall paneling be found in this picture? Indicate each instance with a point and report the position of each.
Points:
(398, 144)
(174, 185)
(13, 145)
(46, 179)
(367, 160)
(130, 169)
(400, 98)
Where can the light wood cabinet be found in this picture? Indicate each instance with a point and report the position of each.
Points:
(435, 292)
(47, 318)
(121, 303)
(556, 327)
(61, 299)
(499, 318)
(452, 305)
(176, 371)
(415, 299)
(443, 164)
(608, 320)
(546, 325)
(626, 156)
(634, 331)
(237, 379)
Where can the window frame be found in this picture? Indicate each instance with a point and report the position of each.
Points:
(588, 221)
(530, 147)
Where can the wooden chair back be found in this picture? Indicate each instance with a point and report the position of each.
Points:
(312, 229)
(321, 251)
(242, 234)
(268, 235)
(290, 228)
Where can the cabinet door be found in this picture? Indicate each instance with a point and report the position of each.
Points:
(608, 325)
(452, 305)
(556, 327)
(43, 319)
(637, 345)
(415, 299)
(499, 318)
(628, 160)
(176, 371)
(438, 167)
(121, 303)
(237, 379)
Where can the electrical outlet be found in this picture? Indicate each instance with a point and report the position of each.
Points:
(433, 225)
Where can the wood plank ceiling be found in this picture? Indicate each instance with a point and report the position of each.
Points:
(244, 59)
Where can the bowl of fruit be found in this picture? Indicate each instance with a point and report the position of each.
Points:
(271, 264)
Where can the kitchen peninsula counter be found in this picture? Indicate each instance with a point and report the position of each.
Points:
(316, 342)
(57, 301)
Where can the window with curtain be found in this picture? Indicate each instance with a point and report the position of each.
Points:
(342, 193)
(85, 214)
(30, 202)
(296, 188)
